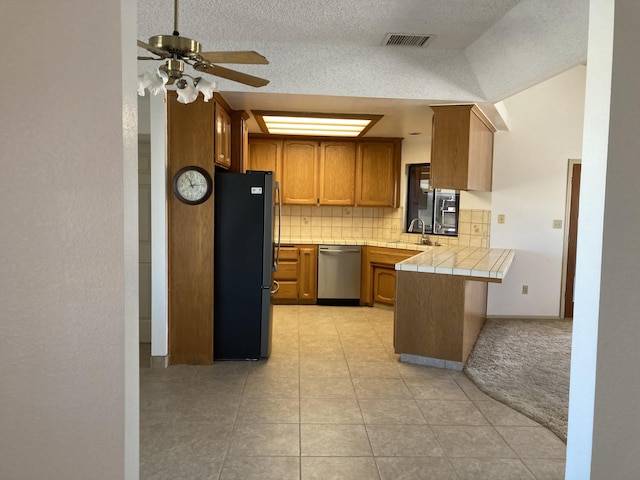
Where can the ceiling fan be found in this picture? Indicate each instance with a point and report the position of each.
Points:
(177, 51)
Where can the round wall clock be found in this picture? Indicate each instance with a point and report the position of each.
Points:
(192, 185)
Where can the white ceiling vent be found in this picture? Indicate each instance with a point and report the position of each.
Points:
(408, 39)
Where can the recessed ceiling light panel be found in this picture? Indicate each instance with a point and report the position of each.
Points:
(315, 124)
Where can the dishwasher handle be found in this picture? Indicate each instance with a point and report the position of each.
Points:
(335, 250)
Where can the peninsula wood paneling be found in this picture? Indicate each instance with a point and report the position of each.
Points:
(437, 315)
(475, 313)
(190, 236)
(420, 326)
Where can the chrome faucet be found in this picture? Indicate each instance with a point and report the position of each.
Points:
(423, 237)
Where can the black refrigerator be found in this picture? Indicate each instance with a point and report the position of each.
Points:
(243, 265)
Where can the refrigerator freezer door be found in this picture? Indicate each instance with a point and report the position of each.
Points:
(243, 256)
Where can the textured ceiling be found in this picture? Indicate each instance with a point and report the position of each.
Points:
(456, 23)
(328, 55)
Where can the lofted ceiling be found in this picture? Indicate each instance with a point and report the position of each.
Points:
(329, 55)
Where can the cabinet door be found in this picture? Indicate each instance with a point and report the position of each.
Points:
(450, 148)
(239, 141)
(337, 173)
(300, 172)
(384, 285)
(265, 155)
(461, 148)
(308, 274)
(377, 176)
(222, 137)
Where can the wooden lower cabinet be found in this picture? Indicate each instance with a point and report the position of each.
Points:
(308, 274)
(378, 275)
(297, 274)
(384, 285)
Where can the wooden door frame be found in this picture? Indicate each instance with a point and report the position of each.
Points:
(565, 249)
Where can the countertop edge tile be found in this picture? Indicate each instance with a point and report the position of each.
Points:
(429, 259)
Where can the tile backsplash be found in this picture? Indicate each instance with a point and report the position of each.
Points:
(311, 222)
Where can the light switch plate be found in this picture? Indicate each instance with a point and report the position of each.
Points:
(557, 224)
(501, 218)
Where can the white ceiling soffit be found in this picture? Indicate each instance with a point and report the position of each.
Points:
(534, 41)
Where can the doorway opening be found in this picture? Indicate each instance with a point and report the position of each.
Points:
(570, 239)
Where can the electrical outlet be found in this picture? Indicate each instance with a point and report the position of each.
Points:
(557, 224)
(525, 289)
(501, 218)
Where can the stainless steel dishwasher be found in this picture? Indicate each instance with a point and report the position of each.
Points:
(339, 275)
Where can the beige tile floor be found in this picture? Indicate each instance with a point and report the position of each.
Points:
(333, 402)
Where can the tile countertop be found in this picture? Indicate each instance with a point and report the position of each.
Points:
(490, 264)
(371, 242)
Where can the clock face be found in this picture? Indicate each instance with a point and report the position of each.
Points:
(192, 185)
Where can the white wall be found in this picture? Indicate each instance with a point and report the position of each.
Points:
(159, 234)
(68, 247)
(604, 424)
(144, 114)
(529, 188)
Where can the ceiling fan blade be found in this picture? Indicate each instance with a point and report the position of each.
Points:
(246, 57)
(232, 75)
(157, 51)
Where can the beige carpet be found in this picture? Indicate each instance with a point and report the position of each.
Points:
(524, 363)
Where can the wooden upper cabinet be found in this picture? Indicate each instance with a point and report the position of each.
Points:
(326, 172)
(300, 172)
(239, 141)
(377, 177)
(265, 154)
(461, 148)
(222, 156)
(337, 173)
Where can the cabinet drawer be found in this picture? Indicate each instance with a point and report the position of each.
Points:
(287, 291)
(286, 271)
(288, 253)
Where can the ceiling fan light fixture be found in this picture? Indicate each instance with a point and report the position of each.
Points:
(204, 87)
(177, 51)
(154, 81)
(186, 93)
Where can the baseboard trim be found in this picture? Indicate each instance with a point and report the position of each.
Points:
(525, 317)
(431, 362)
(160, 361)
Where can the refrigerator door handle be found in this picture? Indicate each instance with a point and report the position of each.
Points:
(275, 288)
(277, 257)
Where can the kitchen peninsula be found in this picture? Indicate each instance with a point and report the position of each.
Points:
(441, 302)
